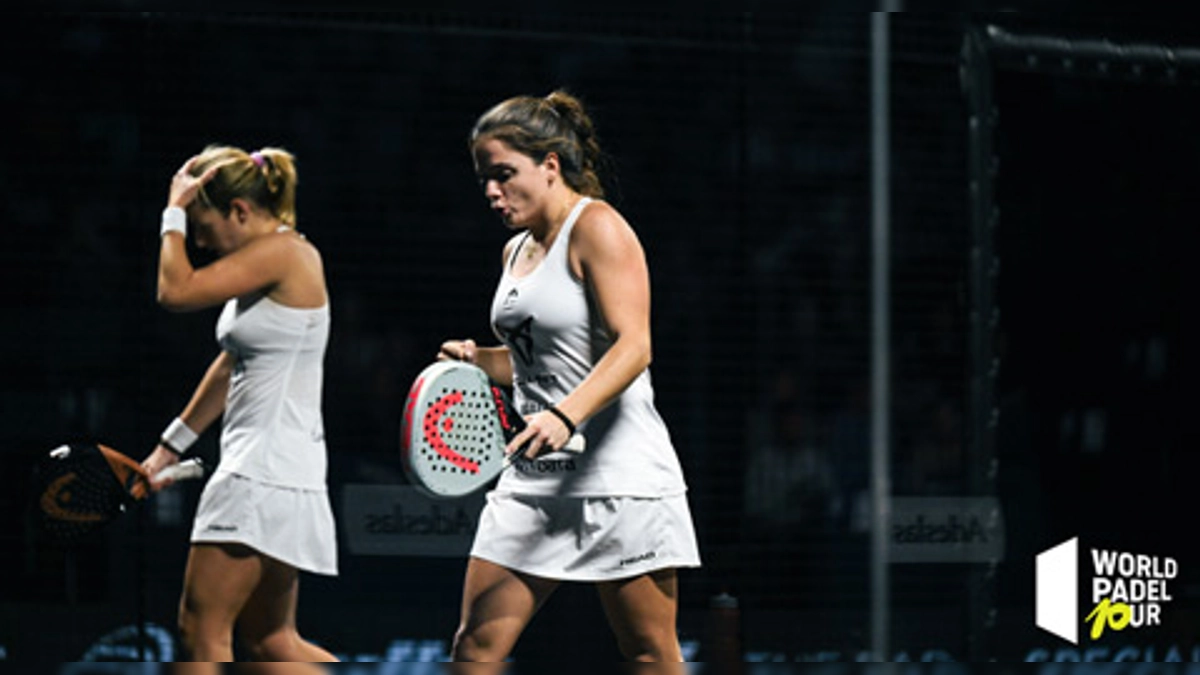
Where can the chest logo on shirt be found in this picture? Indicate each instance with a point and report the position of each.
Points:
(520, 339)
(510, 299)
(239, 367)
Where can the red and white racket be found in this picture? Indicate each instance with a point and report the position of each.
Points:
(456, 425)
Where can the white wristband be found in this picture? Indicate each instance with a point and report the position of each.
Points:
(178, 437)
(174, 219)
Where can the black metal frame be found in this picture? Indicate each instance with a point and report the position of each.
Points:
(986, 49)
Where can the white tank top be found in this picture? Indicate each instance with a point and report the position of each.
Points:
(555, 335)
(273, 429)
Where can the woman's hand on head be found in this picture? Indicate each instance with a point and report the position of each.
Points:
(185, 186)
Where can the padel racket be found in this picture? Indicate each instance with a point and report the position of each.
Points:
(455, 427)
(80, 487)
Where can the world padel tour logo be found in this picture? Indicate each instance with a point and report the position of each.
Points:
(1126, 591)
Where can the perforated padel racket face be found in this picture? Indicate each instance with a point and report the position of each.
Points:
(453, 435)
(82, 486)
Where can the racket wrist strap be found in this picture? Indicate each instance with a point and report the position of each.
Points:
(563, 417)
(178, 437)
(174, 219)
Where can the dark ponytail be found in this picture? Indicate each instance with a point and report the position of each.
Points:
(556, 123)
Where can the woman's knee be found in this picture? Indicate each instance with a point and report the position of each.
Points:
(187, 622)
(473, 644)
(201, 638)
(487, 643)
(655, 644)
(273, 646)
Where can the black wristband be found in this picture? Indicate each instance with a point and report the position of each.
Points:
(565, 420)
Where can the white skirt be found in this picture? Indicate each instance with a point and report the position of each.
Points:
(586, 538)
(292, 525)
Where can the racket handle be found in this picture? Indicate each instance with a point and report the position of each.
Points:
(185, 470)
(576, 443)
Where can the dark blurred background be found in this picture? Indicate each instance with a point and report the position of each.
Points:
(743, 155)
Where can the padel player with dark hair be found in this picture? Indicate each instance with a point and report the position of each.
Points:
(572, 311)
(264, 514)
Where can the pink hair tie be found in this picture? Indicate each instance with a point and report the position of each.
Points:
(257, 158)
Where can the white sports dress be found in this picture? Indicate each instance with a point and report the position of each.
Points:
(269, 491)
(620, 508)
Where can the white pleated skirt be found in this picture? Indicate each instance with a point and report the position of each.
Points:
(586, 538)
(292, 525)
